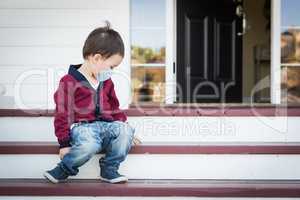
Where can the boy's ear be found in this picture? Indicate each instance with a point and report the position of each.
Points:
(97, 57)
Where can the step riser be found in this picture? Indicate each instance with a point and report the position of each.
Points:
(129, 198)
(171, 129)
(166, 166)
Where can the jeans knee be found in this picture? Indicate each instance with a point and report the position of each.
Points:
(90, 149)
(127, 133)
(126, 142)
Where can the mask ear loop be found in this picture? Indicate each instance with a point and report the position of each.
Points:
(105, 75)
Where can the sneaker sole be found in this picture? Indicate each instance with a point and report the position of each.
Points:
(50, 178)
(121, 179)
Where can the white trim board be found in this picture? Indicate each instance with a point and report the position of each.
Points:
(275, 51)
(170, 52)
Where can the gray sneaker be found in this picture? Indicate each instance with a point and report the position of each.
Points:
(56, 175)
(113, 177)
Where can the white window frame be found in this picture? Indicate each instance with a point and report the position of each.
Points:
(170, 52)
(275, 52)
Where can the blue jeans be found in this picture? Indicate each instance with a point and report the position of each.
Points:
(87, 139)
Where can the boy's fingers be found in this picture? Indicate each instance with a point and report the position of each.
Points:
(136, 141)
(61, 155)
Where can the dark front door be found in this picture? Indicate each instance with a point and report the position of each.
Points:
(209, 51)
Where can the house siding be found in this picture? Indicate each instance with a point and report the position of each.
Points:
(40, 39)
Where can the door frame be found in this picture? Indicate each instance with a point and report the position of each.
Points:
(171, 44)
(275, 52)
(170, 78)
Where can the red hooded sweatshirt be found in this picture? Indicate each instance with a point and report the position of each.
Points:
(76, 100)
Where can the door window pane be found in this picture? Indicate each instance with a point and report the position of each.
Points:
(149, 82)
(290, 51)
(290, 84)
(148, 46)
(290, 45)
(290, 15)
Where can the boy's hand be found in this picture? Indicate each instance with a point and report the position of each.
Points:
(63, 152)
(136, 141)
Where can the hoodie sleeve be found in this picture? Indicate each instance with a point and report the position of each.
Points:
(63, 116)
(117, 114)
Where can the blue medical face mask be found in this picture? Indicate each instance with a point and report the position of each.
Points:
(104, 75)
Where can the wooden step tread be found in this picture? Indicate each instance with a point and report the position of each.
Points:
(164, 148)
(197, 188)
(177, 111)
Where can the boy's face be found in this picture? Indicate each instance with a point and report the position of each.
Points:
(100, 63)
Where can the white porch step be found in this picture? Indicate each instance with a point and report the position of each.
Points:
(238, 170)
(172, 129)
(167, 161)
(166, 166)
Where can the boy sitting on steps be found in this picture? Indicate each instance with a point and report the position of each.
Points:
(87, 116)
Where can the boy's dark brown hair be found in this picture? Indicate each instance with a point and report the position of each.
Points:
(105, 41)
